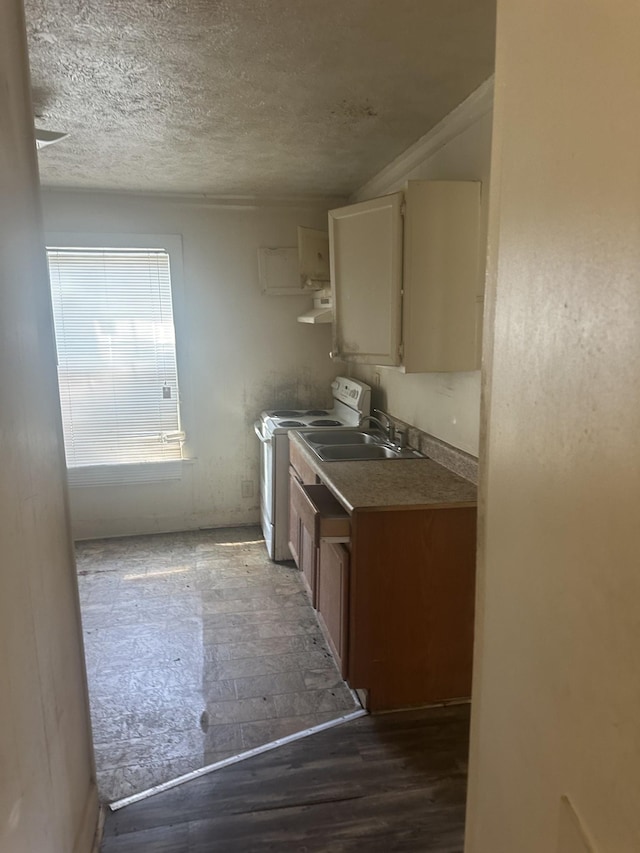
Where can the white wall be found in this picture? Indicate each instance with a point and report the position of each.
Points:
(557, 675)
(446, 405)
(239, 352)
(48, 800)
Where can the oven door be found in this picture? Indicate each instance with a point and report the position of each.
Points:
(267, 508)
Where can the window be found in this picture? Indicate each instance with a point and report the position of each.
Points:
(117, 373)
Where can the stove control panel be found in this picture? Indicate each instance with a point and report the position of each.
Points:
(352, 393)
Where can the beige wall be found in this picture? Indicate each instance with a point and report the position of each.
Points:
(444, 404)
(239, 352)
(48, 800)
(557, 680)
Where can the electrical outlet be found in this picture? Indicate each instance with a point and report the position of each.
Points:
(376, 379)
(246, 488)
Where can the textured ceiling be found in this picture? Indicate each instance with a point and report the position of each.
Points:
(247, 97)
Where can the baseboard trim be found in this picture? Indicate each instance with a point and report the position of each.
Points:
(91, 824)
(97, 839)
(172, 526)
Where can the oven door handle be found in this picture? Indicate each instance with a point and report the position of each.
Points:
(257, 428)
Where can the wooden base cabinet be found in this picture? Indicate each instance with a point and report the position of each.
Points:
(308, 562)
(394, 588)
(302, 535)
(295, 530)
(314, 515)
(411, 605)
(302, 524)
(333, 600)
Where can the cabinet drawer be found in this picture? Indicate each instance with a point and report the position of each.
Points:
(302, 468)
(320, 512)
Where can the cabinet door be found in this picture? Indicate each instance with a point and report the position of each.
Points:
(443, 277)
(333, 599)
(366, 278)
(294, 520)
(304, 472)
(302, 534)
(308, 561)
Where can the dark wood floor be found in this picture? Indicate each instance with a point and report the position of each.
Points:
(395, 782)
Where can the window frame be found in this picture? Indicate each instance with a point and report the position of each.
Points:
(135, 472)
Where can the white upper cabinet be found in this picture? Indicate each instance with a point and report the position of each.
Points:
(405, 274)
(365, 243)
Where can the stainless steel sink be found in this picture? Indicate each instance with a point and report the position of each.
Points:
(343, 436)
(356, 451)
(353, 444)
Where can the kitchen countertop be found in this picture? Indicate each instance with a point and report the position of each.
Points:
(391, 483)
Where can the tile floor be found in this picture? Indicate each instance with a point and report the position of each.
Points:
(197, 647)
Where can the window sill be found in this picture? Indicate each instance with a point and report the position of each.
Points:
(124, 475)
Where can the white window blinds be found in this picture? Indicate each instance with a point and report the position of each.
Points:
(116, 356)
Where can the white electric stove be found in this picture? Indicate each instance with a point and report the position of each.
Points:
(351, 401)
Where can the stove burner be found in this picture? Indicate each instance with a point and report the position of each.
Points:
(289, 423)
(325, 423)
(316, 413)
(284, 413)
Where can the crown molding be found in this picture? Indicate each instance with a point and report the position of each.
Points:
(479, 103)
(205, 200)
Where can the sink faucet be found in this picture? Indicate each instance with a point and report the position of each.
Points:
(389, 430)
